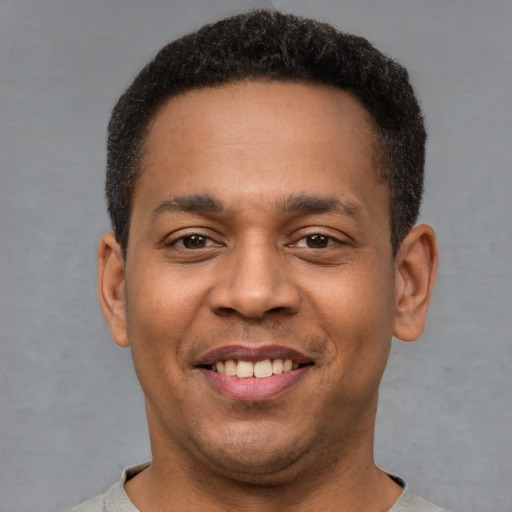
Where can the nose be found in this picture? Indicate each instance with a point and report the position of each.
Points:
(254, 284)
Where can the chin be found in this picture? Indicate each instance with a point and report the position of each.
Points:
(257, 459)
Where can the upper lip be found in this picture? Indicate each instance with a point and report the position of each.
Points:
(253, 353)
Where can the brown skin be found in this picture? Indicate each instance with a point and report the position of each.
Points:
(260, 278)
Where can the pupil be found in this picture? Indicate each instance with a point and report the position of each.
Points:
(316, 241)
(194, 242)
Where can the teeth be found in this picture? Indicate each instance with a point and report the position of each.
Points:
(277, 366)
(259, 369)
(229, 367)
(263, 369)
(245, 369)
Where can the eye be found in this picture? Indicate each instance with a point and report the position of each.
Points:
(316, 241)
(193, 242)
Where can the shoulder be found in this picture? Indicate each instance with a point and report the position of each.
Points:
(410, 502)
(95, 504)
(115, 499)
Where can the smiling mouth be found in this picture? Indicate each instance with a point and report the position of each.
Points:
(254, 373)
(255, 369)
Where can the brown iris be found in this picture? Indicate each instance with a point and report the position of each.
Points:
(194, 241)
(317, 241)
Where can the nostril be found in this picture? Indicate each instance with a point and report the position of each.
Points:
(280, 309)
(224, 311)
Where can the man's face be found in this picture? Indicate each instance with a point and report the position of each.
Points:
(260, 233)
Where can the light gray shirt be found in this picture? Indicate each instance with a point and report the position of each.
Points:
(116, 499)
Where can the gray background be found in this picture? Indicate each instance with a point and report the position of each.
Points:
(71, 412)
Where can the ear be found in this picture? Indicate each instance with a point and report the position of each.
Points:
(416, 264)
(111, 287)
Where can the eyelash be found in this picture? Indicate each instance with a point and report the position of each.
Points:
(181, 242)
(330, 241)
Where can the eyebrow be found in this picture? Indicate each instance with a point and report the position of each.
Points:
(314, 204)
(196, 203)
(306, 204)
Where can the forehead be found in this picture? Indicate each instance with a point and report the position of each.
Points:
(259, 140)
(266, 104)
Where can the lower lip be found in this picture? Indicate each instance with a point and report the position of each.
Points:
(253, 390)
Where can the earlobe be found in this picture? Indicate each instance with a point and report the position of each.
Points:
(111, 287)
(416, 263)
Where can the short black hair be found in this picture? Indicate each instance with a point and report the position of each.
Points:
(270, 45)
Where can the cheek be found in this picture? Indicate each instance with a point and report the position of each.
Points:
(159, 315)
(358, 315)
(161, 297)
(161, 311)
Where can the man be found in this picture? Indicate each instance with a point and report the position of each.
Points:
(264, 176)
